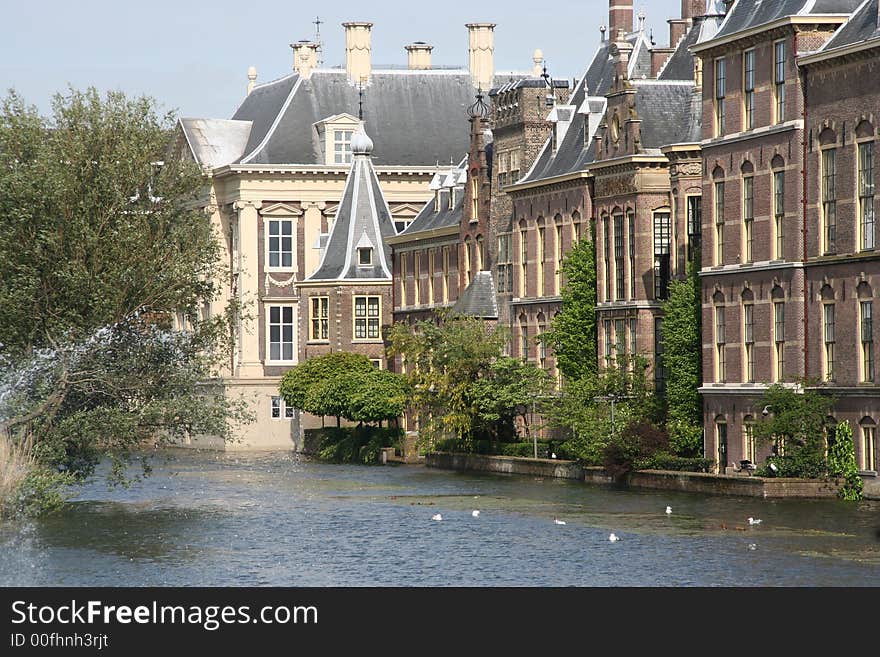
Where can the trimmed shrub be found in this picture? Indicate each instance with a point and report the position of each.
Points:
(361, 444)
(667, 461)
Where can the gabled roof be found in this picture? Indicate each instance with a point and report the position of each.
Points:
(861, 26)
(479, 298)
(747, 14)
(430, 218)
(667, 111)
(362, 220)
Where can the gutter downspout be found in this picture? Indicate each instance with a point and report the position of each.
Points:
(804, 137)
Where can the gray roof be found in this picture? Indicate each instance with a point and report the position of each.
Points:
(680, 65)
(861, 26)
(667, 111)
(429, 218)
(478, 298)
(746, 14)
(216, 142)
(362, 219)
(600, 71)
(416, 117)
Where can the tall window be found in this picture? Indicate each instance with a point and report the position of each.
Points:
(719, 223)
(504, 267)
(542, 255)
(366, 317)
(659, 367)
(523, 258)
(606, 233)
(829, 199)
(749, 438)
(609, 344)
(779, 81)
(431, 276)
(481, 253)
(417, 275)
(721, 435)
(403, 258)
(749, 342)
(475, 199)
(828, 338)
(280, 243)
(342, 146)
(866, 195)
(748, 217)
(720, 91)
(779, 214)
(319, 316)
(631, 222)
(557, 276)
(662, 241)
(720, 364)
(748, 89)
(524, 340)
(869, 446)
(866, 334)
(778, 341)
(620, 286)
(694, 224)
(633, 336)
(542, 345)
(281, 333)
(620, 337)
(445, 274)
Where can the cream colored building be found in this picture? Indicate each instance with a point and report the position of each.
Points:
(276, 172)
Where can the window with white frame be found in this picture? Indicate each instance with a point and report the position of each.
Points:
(619, 278)
(869, 445)
(748, 89)
(280, 243)
(281, 333)
(720, 363)
(280, 409)
(365, 256)
(662, 247)
(720, 92)
(748, 216)
(829, 199)
(778, 341)
(779, 214)
(631, 225)
(829, 340)
(779, 57)
(749, 341)
(866, 335)
(342, 146)
(719, 223)
(366, 317)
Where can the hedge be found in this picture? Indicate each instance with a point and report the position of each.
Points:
(361, 444)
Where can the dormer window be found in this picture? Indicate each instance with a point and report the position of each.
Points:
(342, 146)
(365, 256)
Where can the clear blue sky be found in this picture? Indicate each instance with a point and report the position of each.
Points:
(193, 56)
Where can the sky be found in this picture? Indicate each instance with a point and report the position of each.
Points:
(192, 57)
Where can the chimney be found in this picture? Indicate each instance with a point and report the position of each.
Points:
(419, 56)
(690, 9)
(659, 57)
(305, 57)
(481, 54)
(677, 29)
(538, 63)
(357, 50)
(620, 17)
(252, 79)
(621, 50)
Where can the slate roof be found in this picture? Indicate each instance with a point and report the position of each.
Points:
(362, 219)
(429, 218)
(680, 65)
(478, 298)
(746, 14)
(666, 109)
(216, 142)
(861, 26)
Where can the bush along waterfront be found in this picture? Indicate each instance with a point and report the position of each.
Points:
(104, 261)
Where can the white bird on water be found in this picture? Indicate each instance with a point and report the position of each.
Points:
(436, 516)
(475, 513)
(614, 537)
(754, 521)
(752, 546)
(558, 521)
(668, 510)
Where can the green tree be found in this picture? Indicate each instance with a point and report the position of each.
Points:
(376, 396)
(796, 423)
(101, 245)
(682, 359)
(572, 333)
(842, 462)
(324, 385)
(509, 389)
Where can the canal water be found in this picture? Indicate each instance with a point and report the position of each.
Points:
(279, 519)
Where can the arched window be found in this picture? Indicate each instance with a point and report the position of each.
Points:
(748, 335)
(868, 460)
(866, 332)
(557, 239)
(576, 228)
(542, 345)
(828, 332)
(828, 161)
(481, 253)
(778, 167)
(720, 330)
(523, 257)
(748, 211)
(524, 337)
(867, 217)
(542, 255)
(718, 189)
(468, 259)
(777, 296)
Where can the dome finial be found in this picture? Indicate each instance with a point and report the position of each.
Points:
(361, 144)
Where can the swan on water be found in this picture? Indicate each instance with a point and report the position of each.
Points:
(614, 537)
(558, 521)
(668, 510)
(436, 516)
(475, 513)
(754, 521)
(753, 546)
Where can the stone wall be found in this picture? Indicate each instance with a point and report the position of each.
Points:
(505, 464)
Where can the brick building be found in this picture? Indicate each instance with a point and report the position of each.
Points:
(789, 269)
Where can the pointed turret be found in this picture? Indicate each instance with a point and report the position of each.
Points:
(356, 247)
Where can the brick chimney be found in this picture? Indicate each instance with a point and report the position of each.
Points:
(692, 8)
(419, 55)
(305, 57)
(620, 17)
(481, 54)
(357, 50)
